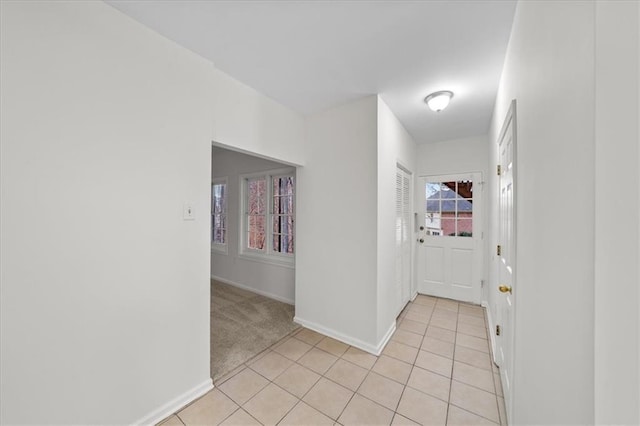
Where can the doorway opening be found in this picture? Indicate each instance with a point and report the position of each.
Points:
(252, 256)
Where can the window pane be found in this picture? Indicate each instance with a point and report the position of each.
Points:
(433, 190)
(465, 227)
(283, 243)
(256, 240)
(464, 207)
(433, 206)
(448, 226)
(256, 193)
(282, 219)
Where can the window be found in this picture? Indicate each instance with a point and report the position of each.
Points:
(268, 216)
(449, 208)
(219, 214)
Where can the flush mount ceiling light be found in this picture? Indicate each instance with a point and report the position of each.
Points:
(438, 101)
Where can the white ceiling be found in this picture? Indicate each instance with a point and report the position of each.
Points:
(312, 55)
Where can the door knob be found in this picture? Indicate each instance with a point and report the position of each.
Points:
(421, 240)
(505, 289)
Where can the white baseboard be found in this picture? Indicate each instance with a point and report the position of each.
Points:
(254, 290)
(492, 326)
(175, 404)
(367, 347)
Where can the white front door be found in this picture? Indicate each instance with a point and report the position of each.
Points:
(449, 239)
(505, 300)
(403, 238)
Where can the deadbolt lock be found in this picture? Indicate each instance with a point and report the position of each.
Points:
(505, 289)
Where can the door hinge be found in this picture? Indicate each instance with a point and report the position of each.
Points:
(497, 330)
(499, 250)
(481, 283)
(499, 170)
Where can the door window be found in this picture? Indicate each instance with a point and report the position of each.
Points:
(449, 211)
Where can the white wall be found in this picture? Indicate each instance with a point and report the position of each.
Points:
(336, 282)
(549, 70)
(249, 121)
(454, 156)
(461, 156)
(617, 336)
(271, 280)
(106, 132)
(395, 146)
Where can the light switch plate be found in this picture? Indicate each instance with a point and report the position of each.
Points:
(188, 213)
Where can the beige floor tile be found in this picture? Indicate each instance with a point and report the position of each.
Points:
(229, 375)
(317, 360)
(502, 412)
(401, 351)
(361, 411)
(392, 368)
(420, 309)
(309, 336)
(422, 299)
(472, 342)
(473, 357)
(471, 320)
(346, 374)
(407, 338)
(385, 392)
(241, 418)
(171, 421)
(473, 376)
(421, 318)
(459, 417)
(332, 346)
(475, 311)
(477, 401)
(329, 398)
(359, 357)
(399, 420)
(211, 409)
(449, 324)
(441, 334)
(498, 384)
(439, 347)
(292, 348)
(430, 383)
(303, 414)
(270, 405)
(422, 408)
(445, 314)
(435, 363)
(271, 365)
(451, 305)
(473, 330)
(241, 387)
(297, 380)
(413, 326)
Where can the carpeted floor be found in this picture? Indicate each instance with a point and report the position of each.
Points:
(243, 324)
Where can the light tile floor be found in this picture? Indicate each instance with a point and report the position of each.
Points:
(436, 369)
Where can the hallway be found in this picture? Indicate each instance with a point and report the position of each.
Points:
(435, 370)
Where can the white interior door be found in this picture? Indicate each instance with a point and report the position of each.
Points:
(505, 300)
(449, 240)
(403, 238)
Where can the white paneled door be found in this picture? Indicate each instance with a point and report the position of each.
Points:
(449, 259)
(403, 238)
(506, 250)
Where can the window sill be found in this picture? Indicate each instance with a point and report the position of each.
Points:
(219, 249)
(268, 259)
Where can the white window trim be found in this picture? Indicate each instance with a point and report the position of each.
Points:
(219, 247)
(268, 255)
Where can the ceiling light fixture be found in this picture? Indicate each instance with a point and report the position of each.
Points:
(438, 101)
